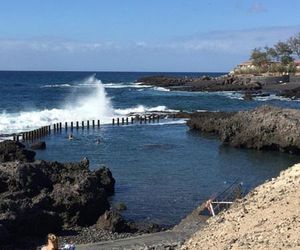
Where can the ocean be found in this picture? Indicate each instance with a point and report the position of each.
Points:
(162, 170)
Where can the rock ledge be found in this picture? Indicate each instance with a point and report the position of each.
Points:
(266, 127)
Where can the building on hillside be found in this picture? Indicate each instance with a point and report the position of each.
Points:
(249, 65)
(297, 64)
(245, 65)
(248, 68)
(242, 68)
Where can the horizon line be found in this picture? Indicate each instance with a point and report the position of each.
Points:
(110, 71)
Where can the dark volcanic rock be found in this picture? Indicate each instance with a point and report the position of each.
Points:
(162, 81)
(145, 227)
(291, 93)
(38, 145)
(209, 122)
(262, 128)
(248, 96)
(15, 151)
(4, 234)
(182, 115)
(224, 83)
(120, 206)
(107, 180)
(112, 221)
(41, 197)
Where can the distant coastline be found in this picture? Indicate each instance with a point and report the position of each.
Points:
(251, 85)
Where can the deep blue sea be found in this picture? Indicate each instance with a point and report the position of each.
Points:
(162, 170)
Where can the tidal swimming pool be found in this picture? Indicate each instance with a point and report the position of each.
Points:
(163, 171)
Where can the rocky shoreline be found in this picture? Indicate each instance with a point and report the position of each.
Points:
(251, 86)
(38, 197)
(205, 83)
(264, 128)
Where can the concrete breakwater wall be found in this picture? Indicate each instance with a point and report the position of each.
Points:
(57, 127)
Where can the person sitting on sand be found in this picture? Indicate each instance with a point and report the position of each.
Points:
(71, 137)
(52, 243)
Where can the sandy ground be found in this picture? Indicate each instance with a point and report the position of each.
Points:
(267, 218)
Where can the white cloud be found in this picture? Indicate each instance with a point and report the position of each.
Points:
(254, 6)
(211, 51)
(236, 41)
(54, 45)
(257, 7)
(230, 41)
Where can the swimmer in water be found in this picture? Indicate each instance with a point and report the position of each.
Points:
(98, 141)
(71, 137)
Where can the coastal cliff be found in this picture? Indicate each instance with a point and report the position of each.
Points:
(266, 127)
(267, 218)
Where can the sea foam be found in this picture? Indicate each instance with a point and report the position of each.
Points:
(140, 109)
(93, 106)
(90, 83)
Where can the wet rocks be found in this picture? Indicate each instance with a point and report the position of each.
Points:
(40, 197)
(106, 179)
(209, 122)
(265, 127)
(15, 151)
(112, 221)
(293, 94)
(120, 206)
(163, 81)
(183, 115)
(223, 83)
(38, 145)
(248, 96)
(285, 86)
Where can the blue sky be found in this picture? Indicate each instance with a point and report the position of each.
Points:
(140, 35)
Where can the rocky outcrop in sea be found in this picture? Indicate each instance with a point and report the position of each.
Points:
(266, 127)
(38, 197)
(205, 83)
(251, 85)
(15, 151)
